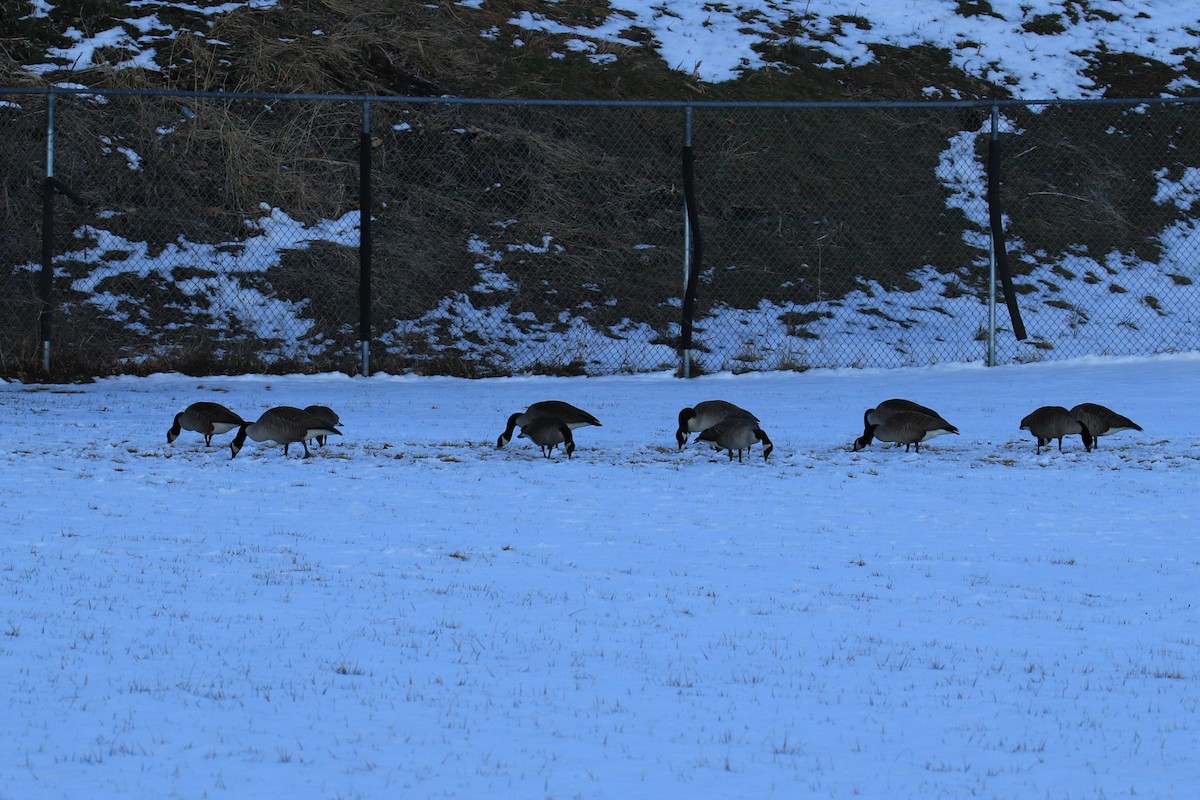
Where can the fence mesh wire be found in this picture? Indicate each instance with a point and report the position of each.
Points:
(222, 234)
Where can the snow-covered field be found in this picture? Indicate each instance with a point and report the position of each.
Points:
(414, 613)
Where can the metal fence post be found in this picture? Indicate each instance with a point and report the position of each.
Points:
(686, 352)
(46, 278)
(999, 253)
(364, 239)
(991, 336)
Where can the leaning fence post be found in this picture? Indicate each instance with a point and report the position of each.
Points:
(996, 223)
(364, 239)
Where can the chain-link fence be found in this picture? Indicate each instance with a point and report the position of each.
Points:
(225, 233)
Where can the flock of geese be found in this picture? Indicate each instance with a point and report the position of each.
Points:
(550, 423)
(283, 424)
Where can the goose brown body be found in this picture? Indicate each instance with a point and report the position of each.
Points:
(204, 418)
(737, 433)
(908, 428)
(881, 413)
(326, 415)
(549, 432)
(1102, 421)
(283, 424)
(705, 415)
(1055, 422)
(571, 416)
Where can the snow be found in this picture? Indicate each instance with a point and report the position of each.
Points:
(715, 42)
(414, 613)
(1006, 42)
(1150, 310)
(82, 54)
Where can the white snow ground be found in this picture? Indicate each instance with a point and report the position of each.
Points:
(414, 613)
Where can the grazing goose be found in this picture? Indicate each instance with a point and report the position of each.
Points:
(737, 433)
(547, 433)
(907, 428)
(285, 425)
(1055, 422)
(704, 415)
(880, 414)
(326, 415)
(205, 418)
(566, 413)
(1102, 421)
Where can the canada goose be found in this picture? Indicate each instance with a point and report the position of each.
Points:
(205, 418)
(326, 415)
(880, 414)
(283, 424)
(566, 413)
(704, 415)
(737, 433)
(907, 428)
(1102, 421)
(548, 432)
(1055, 422)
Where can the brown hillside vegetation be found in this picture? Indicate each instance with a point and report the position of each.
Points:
(579, 206)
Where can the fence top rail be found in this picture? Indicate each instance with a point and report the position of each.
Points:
(450, 100)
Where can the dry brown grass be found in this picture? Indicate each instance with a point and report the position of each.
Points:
(796, 206)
